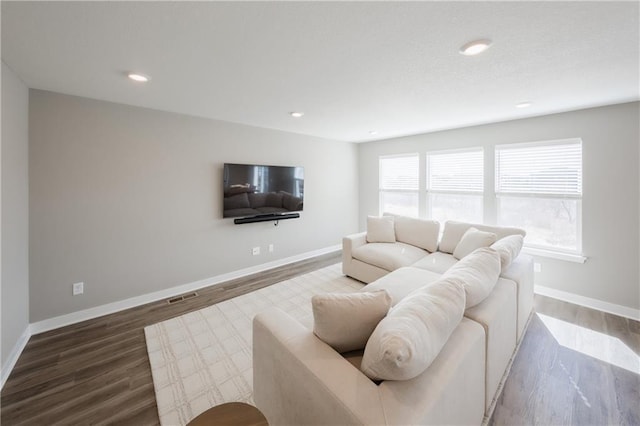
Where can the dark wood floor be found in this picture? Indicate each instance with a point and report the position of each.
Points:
(97, 372)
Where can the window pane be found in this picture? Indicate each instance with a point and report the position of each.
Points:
(402, 203)
(549, 222)
(464, 208)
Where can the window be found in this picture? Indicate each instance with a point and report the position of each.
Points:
(399, 184)
(539, 188)
(455, 185)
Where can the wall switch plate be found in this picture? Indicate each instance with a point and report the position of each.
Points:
(270, 248)
(255, 251)
(537, 267)
(78, 288)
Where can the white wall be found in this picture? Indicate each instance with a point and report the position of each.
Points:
(129, 200)
(610, 203)
(15, 216)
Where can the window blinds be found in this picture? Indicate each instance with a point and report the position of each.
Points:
(399, 172)
(553, 168)
(459, 171)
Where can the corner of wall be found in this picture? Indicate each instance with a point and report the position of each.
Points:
(13, 356)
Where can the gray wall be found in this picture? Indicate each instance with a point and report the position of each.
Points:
(129, 200)
(15, 210)
(610, 216)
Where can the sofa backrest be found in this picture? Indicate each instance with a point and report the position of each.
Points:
(421, 233)
(453, 232)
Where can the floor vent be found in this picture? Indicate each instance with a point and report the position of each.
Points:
(181, 298)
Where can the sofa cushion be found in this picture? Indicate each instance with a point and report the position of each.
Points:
(436, 262)
(388, 256)
(453, 232)
(345, 321)
(410, 337)
(508, 248)
(401, 282)
(471, 240)
(421, 233)
(478, 273)
(380, 230)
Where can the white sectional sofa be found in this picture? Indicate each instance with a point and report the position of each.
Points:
(299, 379)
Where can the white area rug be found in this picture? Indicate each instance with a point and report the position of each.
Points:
(203, 358)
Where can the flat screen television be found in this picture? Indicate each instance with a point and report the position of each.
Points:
(256, 190)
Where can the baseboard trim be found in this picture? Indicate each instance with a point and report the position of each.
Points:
(14, 355)
(612, 308)
(110, 308)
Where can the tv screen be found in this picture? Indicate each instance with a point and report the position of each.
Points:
(252, 190)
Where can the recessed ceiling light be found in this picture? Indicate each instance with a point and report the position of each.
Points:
(475, 47)
(373, 132)
(296, 114)
(138, 77)
(523, 105)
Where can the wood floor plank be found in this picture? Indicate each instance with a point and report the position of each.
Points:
(98, 372)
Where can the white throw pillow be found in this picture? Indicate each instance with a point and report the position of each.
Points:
(380, 229)
(478, 273)
(471, 240)
(451, 235)
(508, 248)
(345, 321)
(406, 342)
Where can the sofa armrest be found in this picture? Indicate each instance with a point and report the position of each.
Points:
(298, 379)
(521, 272)
(354, 241)
(349, 243)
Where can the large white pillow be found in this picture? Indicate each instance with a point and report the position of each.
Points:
(451, 235)
(508, 248)
(478, 273)
(380, 229)
(409, 338)
(453, 232)
(421, 233)
(345, 321)
(471, 240)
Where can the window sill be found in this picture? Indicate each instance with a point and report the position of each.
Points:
(569, 257)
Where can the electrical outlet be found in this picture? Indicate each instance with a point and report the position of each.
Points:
(255, 251)
(537, 267)
(270, 248)
(78, 288)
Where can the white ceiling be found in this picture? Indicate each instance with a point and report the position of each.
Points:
(351, 67)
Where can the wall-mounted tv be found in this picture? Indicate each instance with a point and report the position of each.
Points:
(253, 190)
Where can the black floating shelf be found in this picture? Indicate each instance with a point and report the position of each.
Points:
(265, 218)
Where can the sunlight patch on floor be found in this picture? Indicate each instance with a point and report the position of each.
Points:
(592, 343)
